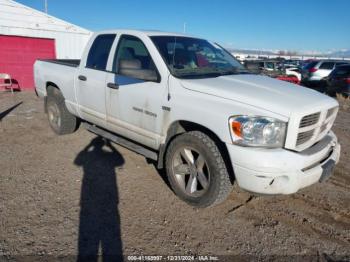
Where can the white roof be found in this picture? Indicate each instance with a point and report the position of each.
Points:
(15, 15)
(140, 32)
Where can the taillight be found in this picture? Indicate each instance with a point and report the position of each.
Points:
(312, 70)
(347, 80)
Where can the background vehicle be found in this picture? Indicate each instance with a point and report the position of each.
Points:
(266, 67)
(339, 81)
(294, 71)
(289, 78)
(273, 68)
(191, 106)
(291, 63)
(313, 74)
(303, 63)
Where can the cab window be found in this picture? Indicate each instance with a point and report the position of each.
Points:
(99, 52)
(132, 50)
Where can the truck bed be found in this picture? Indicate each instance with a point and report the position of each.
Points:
(66, 62)
(59, 72)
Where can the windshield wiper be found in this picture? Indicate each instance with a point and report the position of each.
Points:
(198, 75)
(234, 71)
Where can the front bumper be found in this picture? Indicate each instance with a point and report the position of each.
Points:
(281, 171)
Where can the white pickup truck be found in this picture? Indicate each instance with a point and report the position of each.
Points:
(188, 104)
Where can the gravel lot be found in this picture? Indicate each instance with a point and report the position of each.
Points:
(61, 196)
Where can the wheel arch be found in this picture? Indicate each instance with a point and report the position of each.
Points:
(49, 92)
(70, 123)
(182, 126)
(51, 84)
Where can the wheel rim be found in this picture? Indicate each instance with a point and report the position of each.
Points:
(54, 115)
(190, 171)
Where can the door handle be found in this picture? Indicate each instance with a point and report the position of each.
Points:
(82, 78)
(113, 85)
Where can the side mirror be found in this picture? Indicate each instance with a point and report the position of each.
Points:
(132, 68)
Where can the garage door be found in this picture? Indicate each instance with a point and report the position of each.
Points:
(18, 54)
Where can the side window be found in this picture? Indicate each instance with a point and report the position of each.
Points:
(132, 50)
(327, 65)
(269, 65)
(342, 72)
(99, 52)
(340, 63)
(132, 59)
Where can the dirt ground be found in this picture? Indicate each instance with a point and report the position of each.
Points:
(63, 196)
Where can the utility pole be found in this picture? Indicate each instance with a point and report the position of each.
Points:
(45, 6)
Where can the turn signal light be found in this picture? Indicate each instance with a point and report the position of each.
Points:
(236, 128)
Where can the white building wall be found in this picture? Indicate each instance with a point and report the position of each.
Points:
(20, 20)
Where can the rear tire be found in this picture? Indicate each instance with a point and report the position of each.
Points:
(61, 121)
(196, 170)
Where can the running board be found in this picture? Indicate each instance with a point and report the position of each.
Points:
(122, 141)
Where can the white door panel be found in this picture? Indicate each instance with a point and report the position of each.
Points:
(92, 96)
(134, 106)
(135, 109)
(91, 82)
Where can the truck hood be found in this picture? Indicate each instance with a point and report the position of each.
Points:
(273, 95)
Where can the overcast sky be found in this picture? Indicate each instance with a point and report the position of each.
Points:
(320, 25)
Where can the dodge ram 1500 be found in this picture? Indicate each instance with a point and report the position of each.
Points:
(188, 104)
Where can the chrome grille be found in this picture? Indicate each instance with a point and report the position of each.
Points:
(313, 127)
(309, 120)
(303, 137)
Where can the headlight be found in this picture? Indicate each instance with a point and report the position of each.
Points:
(257, 131)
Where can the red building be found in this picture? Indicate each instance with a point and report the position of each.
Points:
(27, 35)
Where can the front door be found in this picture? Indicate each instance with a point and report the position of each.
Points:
(135, 95)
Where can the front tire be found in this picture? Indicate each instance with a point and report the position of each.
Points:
(60, 119)
(196, 170)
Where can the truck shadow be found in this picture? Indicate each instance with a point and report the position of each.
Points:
(99, 225)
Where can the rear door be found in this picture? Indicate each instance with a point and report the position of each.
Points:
(135, 93)
(91, 92)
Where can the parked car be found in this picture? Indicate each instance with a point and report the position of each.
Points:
(313, 74)
(267, 67)
(291, 63)
(191, 106)
(338, 82)
(289, 78)
(294, 71)
(272, 68)
(305, 62)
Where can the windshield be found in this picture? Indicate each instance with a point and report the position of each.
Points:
(188, 57)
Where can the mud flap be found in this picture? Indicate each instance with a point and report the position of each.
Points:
(328, 169)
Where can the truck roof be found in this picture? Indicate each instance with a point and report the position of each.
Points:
(142, 32)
